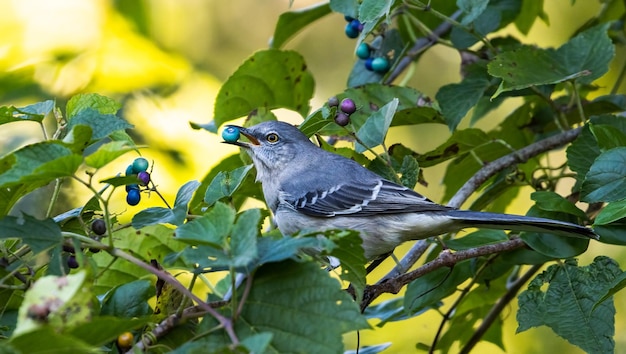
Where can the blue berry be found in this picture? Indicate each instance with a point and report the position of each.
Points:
(363, 51)
(333, 101)
(131, 186)
(144, 177)
(347, 106)
(133, 197)
(230, 134)
(355, 24)
(351, 32)
(342, 119)
(140, 164)
(368, 64)
(380, 65)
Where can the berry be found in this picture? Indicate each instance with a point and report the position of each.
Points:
(342, 119)
(133, 197)
(333, 101)
(380, 65)
(125, 340)
(140, 164)
(69, 249)
(368, 64)
(230, 134)
(347, 106)
(351, 32)
(72, 262)
(363, 51)
(99, 227)
(129, 187)
(144, 177)
(129, 170)
(356, 25)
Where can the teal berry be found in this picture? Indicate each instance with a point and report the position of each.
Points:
(129, 170)
(380, 65)
(230, 134)
(351, 32)
(139, 165)
(363, 51)
(133, 197)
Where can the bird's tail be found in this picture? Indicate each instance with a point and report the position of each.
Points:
(520, 223)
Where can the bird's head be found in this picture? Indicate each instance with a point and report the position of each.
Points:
(272, 145)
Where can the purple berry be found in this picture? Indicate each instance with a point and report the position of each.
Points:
(72, 262)
(342, 119)
(144, 177)
(333, 101)
(99, 227)
(133, 197)
(347, 106)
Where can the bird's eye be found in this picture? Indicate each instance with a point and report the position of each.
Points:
(272, 137)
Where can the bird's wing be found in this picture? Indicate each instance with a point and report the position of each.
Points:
(364, 199)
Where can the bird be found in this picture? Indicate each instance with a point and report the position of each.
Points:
(310, 189)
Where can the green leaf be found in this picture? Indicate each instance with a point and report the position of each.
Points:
(410, 171)
(472, 9)
(433, 287)
(585, 57)
(40, 235)
(349, 251)
(389, 44)
(552, 245)
(269, 79)
(174, 216)
(566, 305)
(292, 22)
(225, 184)
(550, 201)
(373, 132)
(608, 136)
(129, 300)
(102, 125)
(606, 179)
(38, 163)
(47, 340)
(618, 284)
(121, 180)
(457, 99)
(82, 101)
(613, 233)
(531, 10)
(244, 236)
(306, 306)
(611, 212)
(460, 143)
(35, 112)
(476, 239)
(272, 250)
(210, 229)
(373, 10)
(105, 329)
(107, 153)
(346, 7)
(582, 153)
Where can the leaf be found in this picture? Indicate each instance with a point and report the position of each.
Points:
(374, 10)
(292, 22)
(476, 239)
(243, 238)
(35, 112)
(40, 235)
(410, 171)
(102, 125)
(389, 44)
(611, 212)
(306, 306)
(618, 284)
(210, 229)
(104, 329)
(613, 233)
(566, 305)
(129, 300)
(39, 164)
(433, 287)
(352, 259)
(272, 250)
(552, 245)
(457, 99)
(174, 216)
(472, 9)
(606, 179)
(48, 340)
(269, 79)
(107, 153)
(531, 10)
(82, 101)
(373, 132)
(346, 7)
(225, 184)
(585, 57)
(551, 201)
(460, 143)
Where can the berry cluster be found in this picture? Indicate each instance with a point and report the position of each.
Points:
(99, 228)
(346, 108)
(139, 168)
(353, 28)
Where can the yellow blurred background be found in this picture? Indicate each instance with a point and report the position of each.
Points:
(165, 60)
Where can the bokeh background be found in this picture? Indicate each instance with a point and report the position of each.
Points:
(166, 59)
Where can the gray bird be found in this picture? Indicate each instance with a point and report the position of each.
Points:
(308, 188)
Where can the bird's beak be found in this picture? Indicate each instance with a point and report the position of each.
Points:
(243, 131)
